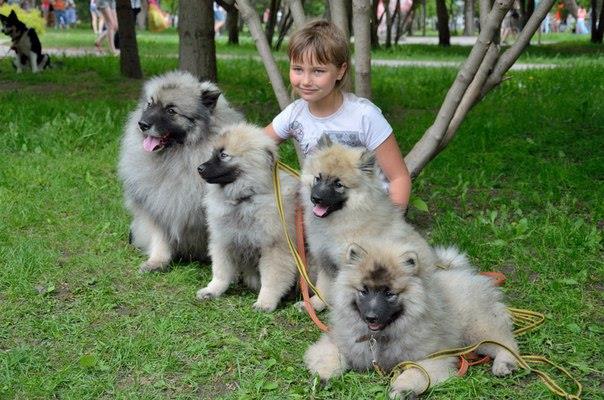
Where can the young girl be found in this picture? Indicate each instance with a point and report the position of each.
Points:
(319, 60)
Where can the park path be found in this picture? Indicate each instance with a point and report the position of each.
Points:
(461, 40)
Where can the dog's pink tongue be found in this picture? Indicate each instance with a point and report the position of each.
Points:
(150, 143)
(319, 210)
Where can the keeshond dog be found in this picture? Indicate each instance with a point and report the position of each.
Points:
(344, 202)
(165, 139)
(246, 235)
(389, 306)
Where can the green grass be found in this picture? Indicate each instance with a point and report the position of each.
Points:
(520, 189)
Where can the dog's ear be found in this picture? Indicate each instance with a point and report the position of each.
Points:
(355, 253)
(209, 98)
(324, 141)
(408, 261)
(367, 162)
(12, 15)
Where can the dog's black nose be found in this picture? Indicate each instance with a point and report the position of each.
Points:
(316, 199)
(144, 126)
(201, 168)
(370, 318)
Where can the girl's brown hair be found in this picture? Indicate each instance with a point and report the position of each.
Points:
(321, 42)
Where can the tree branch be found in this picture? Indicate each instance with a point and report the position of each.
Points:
(297, 11)
(509, 57)
(425, 149)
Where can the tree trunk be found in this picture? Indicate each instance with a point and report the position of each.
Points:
(196, 49)
(130, 65)
(232, 25)
(468, 10)
(483, 10)
(232, 19)
(442, 15)
(389, 21)
(272, 20)
(597, 21)
(361, 13)
(339, 15)
(374, 25)
(286, 23)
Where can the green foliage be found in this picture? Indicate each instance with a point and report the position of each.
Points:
(32, 18)
(519, 189)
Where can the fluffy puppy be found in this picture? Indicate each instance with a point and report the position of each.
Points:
(165, 139)
(246, 236)
(390, 306)
(344, 202)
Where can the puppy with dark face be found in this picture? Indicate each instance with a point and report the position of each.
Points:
(389, 306)
(25, 43)
(165, 139)
(246, 236)
(344, 202)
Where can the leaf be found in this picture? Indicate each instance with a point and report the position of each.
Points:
(419, 204)
(88, 361)
(270, 362)
(569, 281)
(574, 328)
(270, 386)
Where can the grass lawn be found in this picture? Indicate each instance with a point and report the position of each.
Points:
(520, 190)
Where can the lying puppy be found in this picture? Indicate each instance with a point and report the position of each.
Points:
(389, 307)
(25, 43)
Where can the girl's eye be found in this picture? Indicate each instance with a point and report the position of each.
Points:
(171, 111)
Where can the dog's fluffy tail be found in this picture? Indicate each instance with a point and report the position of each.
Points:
(452, 258)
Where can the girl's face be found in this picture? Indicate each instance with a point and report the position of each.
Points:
(313, 81)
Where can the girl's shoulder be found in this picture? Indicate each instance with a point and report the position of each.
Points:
(360, 103)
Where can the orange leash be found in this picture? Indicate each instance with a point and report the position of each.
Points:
(470, 359)
(303, 285)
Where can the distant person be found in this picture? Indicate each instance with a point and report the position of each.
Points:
(71, 16)
(107, 10)
(96, 18)
(581, 27)
(219, 18)
(59, 12)
(45, 7)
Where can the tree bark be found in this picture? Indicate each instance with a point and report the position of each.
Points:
(297, 12)
(484, 9)
(442, 15)
(361, 12)
(571, 7)
(197, 50)
(339, 15)
(468, 10)
(597, 21)
(130, 65)
(272, 20)
(374, 23)
(232, 26)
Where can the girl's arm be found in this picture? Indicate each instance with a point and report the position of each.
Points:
(270, 132)
(390, 160)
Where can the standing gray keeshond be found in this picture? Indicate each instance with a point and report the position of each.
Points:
(389, 306)
(246, 236)
(165, 139)
(344, 202)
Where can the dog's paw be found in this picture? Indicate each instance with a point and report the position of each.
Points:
(205, 294)
(153, 266)
(264, 306)
(404, 395)
(502, 367)
(318, 305)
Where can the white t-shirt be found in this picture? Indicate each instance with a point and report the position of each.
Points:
(357, 123)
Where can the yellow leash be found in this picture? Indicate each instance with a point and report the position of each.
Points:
(292, 248)
(527, 321)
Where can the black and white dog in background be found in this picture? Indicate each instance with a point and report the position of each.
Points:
(25, 43)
